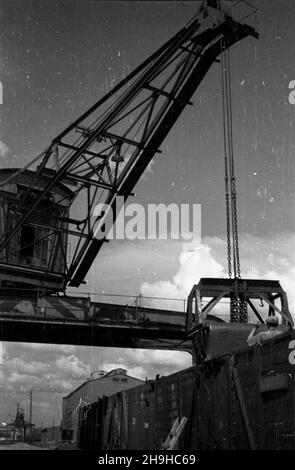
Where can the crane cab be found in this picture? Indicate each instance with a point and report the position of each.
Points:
(36, 255)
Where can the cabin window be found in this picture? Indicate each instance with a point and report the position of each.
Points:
(34, 245)
(27, 238)
(41, 248)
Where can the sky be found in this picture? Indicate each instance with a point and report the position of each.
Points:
(59, 57)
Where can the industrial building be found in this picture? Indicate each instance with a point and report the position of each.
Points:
(99, 384)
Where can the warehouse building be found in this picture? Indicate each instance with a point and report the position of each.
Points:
(98, 385)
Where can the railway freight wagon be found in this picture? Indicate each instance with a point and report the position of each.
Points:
(243, 400)
(137, 418)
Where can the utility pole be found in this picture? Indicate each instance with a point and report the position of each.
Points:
(31, 406)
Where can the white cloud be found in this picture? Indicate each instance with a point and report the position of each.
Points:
(60, 386)
(261, 258)
(142, 363)
(72, 365)
(52, 376)
(138, 372)
(16, 380)
(33, 368)
(3, 149)
(48, 348)
(194, 264)
(156, 357)
(108, 366)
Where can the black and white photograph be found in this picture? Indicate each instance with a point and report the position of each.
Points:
(147, 229)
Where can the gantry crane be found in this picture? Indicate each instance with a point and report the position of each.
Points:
(103, 154)
(98, 157)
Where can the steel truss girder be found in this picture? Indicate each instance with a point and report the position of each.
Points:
(79, 321)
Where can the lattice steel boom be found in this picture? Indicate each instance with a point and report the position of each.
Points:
(106, 150)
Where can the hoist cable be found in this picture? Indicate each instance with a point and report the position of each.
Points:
(227, 197)
(238, 306)
(236, 257)
(233, 256)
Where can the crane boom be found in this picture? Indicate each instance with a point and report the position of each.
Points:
(199, 65)
(103, 153)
